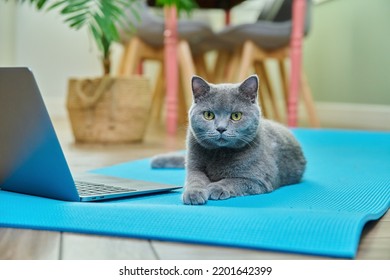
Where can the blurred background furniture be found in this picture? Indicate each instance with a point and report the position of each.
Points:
(241, 48)
(148, 44)
(155, 40)
(252, 45)
(225, 5)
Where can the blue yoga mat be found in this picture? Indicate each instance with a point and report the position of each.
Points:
(347, 183)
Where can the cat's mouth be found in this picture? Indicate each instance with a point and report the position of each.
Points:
(222, 140)
(218, 140)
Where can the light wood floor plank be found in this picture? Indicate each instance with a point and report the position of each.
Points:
(376, 248)
(376, 229)
(92, 247)
(386, 217)
(19, 244)
(181, 251)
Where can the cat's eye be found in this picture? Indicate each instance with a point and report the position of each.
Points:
(208, 115)
(236, 116)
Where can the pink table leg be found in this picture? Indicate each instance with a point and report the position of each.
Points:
(171, 68)
(227, 17)
(298, 19)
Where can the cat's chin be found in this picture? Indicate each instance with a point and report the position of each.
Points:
(222, 142)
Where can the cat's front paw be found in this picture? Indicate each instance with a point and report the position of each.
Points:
(195, 196)
(218, 191)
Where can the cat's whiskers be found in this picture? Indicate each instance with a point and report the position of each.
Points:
(206, 138)
(248, 141)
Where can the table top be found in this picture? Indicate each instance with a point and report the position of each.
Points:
(210, 4)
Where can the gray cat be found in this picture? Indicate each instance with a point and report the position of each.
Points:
(231, 150)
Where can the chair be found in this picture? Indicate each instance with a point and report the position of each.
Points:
(251, 45)
(148, 44)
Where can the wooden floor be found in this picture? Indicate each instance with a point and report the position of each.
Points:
(35, 244)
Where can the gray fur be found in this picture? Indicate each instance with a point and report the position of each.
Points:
(170, 160)
(250, 156)
(228, 158)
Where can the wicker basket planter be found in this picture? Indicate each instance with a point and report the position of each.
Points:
(109, 109)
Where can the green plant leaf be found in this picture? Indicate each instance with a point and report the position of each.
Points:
(75, 7)
(56, 4)
(97, 36)
(182, 5)
(41, 3)
(77, 21)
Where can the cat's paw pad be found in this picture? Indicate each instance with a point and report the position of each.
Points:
(218, 192)
(196, 196)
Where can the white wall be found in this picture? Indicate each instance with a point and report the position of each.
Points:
(54, 52)
(7, 33)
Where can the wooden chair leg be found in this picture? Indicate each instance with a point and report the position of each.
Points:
(220, 66)
(263, 90)
(248, 53)
(158, 96)
(201, 67)
(232, 71)
(122, 63)
(131, 58)
(284, 81)
(182, 105)
(187, 69)
(308, 101)
(271, 92)
(263, 105)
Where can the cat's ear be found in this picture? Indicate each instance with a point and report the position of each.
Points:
(250, 87)
(199, 87)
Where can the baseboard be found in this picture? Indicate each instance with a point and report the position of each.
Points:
(354, 116)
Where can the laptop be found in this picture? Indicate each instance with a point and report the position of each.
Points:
(31, 159)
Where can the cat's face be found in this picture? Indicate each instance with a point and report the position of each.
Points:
(224, 115)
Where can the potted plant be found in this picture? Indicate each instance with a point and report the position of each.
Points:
(105, 109)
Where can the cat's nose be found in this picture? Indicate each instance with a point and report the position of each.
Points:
(221, 129)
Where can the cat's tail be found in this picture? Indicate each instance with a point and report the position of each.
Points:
(169, 160)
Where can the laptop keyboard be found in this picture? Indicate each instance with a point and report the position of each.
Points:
(91, 189)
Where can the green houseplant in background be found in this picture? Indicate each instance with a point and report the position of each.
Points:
(106, 109)
(103, 18)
